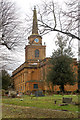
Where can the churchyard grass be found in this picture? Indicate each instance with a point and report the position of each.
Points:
(46, 102)
(39, 107)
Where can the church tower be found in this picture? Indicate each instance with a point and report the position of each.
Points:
(28, 77)
(35, 51)
(31, 75)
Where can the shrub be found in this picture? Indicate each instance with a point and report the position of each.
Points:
(3, 92)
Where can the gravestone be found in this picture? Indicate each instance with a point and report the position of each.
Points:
(39, 93)
(67, 100)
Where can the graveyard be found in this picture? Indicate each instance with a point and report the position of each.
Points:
(48, 106)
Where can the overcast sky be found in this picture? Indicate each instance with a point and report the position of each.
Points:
(25, 6)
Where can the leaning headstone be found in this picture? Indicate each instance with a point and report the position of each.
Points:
(67, 100)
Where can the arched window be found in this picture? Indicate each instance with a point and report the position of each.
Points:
(36, 53)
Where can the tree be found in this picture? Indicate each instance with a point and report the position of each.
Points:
(12, 39)
(79, 75)
(6, 80)
(10, 24)
(54, 18)
(61, 72)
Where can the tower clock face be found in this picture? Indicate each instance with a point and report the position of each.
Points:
(36, 40)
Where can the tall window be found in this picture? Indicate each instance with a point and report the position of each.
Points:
(36, 53)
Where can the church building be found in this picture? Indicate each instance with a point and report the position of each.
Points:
(31, 75)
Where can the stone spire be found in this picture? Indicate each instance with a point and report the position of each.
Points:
(35, 25)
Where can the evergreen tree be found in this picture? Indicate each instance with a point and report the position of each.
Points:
(79, 75)
(61, 72)
(6, 80)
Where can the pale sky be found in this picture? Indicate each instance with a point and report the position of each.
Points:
(25, 6)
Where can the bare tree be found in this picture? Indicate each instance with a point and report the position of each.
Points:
(54, 18)
(12, 39)
(10, 24)
(51, 17)
(72, 16)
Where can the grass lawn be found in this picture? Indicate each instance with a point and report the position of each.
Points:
(42, 103)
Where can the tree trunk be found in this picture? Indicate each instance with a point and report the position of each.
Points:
(62, 88)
